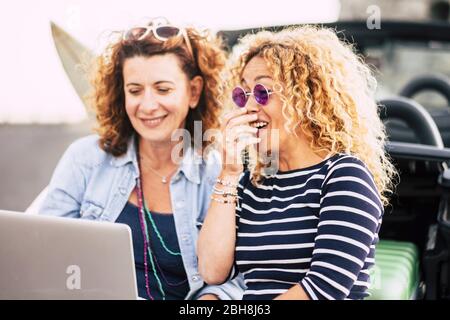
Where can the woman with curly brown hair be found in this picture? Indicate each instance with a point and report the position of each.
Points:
(152, 82)
(306, 227)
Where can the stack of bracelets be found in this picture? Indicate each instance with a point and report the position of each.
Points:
(226, 193)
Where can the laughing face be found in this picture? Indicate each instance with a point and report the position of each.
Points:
(158, 95)
(270, 117)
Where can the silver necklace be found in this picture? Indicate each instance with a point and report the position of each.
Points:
(164, 179)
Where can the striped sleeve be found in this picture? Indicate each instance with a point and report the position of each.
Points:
(350, 217)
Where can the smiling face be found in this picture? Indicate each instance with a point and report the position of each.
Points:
(257, 72)
(158, 95)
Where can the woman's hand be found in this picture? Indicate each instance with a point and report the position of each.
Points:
(217, 238)
(294, 293)
(237, 134)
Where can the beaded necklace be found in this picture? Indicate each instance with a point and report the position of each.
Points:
(143, 210)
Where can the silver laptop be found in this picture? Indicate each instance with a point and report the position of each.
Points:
(45, 257)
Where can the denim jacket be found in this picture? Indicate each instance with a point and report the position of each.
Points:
(89, 183)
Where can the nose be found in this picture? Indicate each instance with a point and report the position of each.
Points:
(252, 106)
(149, 102)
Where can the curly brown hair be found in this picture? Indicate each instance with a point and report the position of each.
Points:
(108, 97)
(327, 93)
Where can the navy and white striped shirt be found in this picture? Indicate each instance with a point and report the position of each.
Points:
(315, 226)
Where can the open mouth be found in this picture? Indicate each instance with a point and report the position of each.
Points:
(259, 124)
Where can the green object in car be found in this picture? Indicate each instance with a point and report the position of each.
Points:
(395, 275)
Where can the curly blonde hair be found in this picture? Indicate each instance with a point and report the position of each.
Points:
(108, 98)
(327, 93)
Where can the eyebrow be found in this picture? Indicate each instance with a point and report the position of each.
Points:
(257, 78)
(156, 83)
(164, 81)
(262, 77)
(132, 84)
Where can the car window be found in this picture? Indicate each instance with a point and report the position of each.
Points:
(399, 62)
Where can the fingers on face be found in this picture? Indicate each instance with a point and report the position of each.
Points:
(242, 120)
(232, 114)
(239, 133)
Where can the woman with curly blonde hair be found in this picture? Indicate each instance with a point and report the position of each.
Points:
(308, 229)
(152, 82)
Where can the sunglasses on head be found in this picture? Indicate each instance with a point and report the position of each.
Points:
(161, 29)
(260, 93)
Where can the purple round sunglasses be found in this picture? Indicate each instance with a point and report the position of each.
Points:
(260, 93)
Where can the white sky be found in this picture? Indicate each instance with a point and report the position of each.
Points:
(34, 86)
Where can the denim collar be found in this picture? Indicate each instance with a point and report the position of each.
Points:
(189, 166)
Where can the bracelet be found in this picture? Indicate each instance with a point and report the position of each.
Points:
(226, 183)
(224, 201)
(224, 193)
